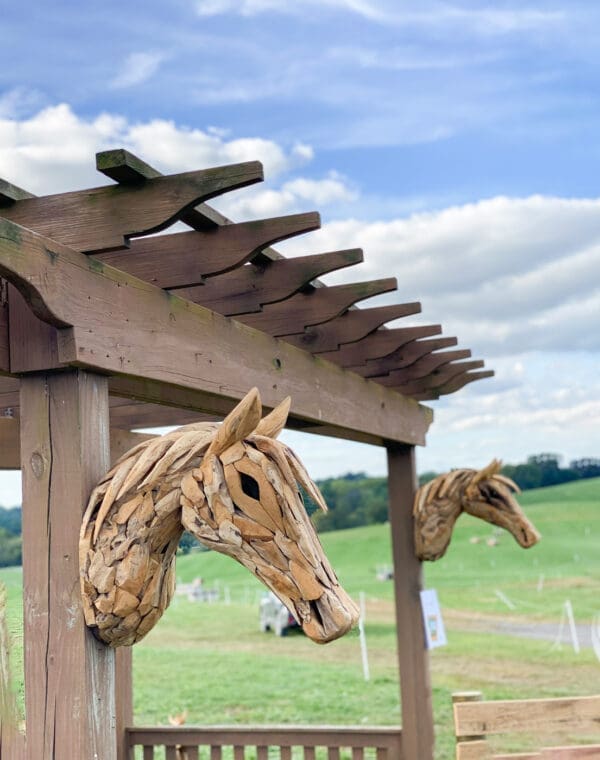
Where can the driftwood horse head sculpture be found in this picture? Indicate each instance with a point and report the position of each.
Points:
(236, 489)
(483, 493)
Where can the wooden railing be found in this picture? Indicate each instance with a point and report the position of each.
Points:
(307, 742)
(475, 720)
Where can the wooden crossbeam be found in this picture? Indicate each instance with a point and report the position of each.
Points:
(104, 218)
(172, 351)
(437, 378)
(126, 169)
(184, 259)
(10, 193)
(350, 327)
(422, 368)
(377, 344)
(453, 385)
(10, 453)
(403, 356)
(247, 289)
(313, 308)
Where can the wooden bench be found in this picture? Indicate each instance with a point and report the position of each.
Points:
(475, 720)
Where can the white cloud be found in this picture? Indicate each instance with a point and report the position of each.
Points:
(137, 68)
(483, 21)
(53, 150)
(254, 7)
(504, 274)
(297, 194)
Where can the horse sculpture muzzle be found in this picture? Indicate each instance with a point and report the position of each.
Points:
(237, 490)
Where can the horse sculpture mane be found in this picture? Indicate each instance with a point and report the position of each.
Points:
(483, 493)
(236, 489)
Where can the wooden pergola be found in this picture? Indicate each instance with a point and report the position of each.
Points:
(105, 328)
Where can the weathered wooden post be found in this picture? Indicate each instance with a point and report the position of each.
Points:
(415, 689)
(69, 676)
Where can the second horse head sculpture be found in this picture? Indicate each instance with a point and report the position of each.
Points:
(483, 493)
(237, 490)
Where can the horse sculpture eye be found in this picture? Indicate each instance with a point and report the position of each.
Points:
(249, 486)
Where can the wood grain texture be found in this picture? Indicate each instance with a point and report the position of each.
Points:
(4, 331)
(314, 307)
(69, 676)
(249, 288)
(404, 356)
(415, 687)
(126, 169)
(125, 326)
(106, 217)
(579, 714)
(378, 344)
(184, 259)
(422, 368)
(33, 344)
(350, 327)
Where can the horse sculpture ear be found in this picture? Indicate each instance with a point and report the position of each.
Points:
(238, 424)
(493, 468)
(271, 425)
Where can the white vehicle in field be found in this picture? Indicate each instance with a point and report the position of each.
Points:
(275, 616)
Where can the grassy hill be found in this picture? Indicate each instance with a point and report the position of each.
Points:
(212, 660)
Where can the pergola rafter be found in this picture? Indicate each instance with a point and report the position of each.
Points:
(105, 324)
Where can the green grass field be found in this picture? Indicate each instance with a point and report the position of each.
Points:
(211, 659)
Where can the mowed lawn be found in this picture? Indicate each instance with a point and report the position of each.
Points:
(212, 661)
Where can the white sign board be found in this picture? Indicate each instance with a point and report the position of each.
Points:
(435, 633)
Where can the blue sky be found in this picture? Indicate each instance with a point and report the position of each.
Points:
(456, 142)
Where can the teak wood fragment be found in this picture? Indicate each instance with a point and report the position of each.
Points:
(350, 327)
(184, 259)
(250, 287)
(313, 308)
(402, 357)
(377, 344)
(104, 218)
(121, 325)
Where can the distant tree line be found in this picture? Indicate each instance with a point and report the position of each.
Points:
(10, 536)
(353, 499)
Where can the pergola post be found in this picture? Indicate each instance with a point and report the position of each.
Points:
(69, 675)
(415, 688)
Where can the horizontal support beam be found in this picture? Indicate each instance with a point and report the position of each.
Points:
(104, 218)
(117, 324)
(247, 289)
(353, 325)
(10, 436)
(184, 259)
(313, 308)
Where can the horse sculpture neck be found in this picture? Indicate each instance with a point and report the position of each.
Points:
(236, 489)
